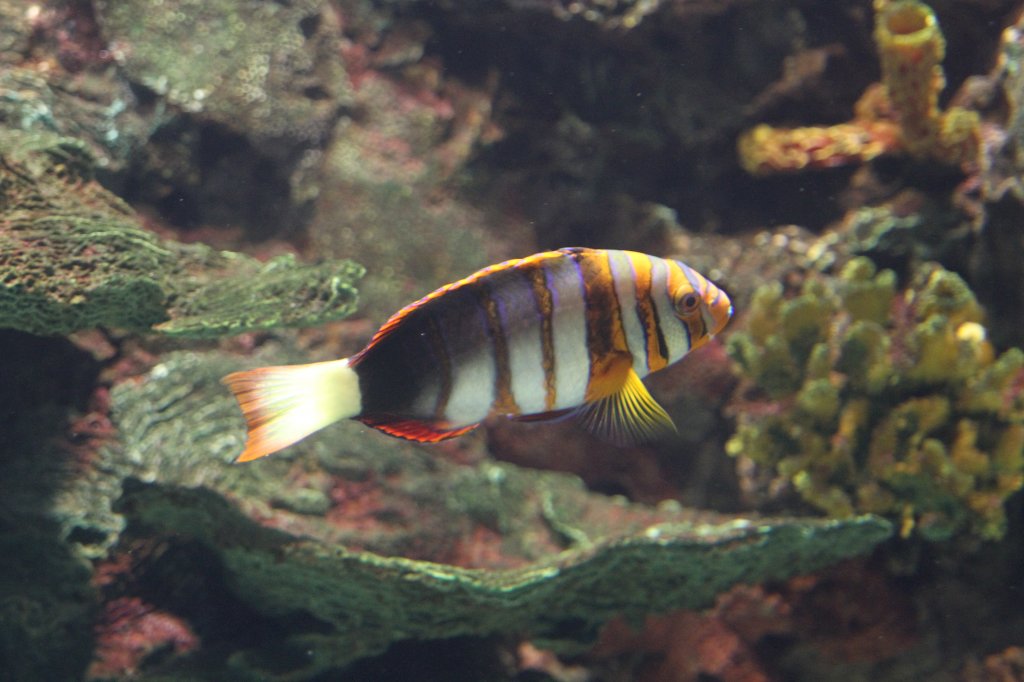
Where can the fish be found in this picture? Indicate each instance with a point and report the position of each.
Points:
(569, 332)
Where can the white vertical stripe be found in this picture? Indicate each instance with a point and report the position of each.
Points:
(426, 401)
(672, 327)
(569, 326)
(527, 364)
(472, 388)
(525, 352)
(625, 290)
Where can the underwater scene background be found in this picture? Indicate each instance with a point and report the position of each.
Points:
(193, 187)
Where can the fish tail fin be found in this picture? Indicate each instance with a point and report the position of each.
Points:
(282, 405)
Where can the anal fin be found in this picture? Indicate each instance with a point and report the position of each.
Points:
(628, 416)
(413, 429)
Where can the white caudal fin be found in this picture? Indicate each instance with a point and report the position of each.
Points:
(283, 405)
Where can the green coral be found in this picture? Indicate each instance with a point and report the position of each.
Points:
(73, 256)
(885, 402)
(571, 558)
(362, 602)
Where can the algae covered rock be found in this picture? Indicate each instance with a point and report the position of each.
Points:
(96, 109)
(245, 96)
(73, 256)
(265, 68)
(15, 31)
(309, 538)
(358, 603)
(46, 608)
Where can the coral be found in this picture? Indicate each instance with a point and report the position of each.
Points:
(243, 98)
(996, 253)
(873, 400)
(1004, 666)
(15, 30)
(361, 602)
(611, 14)
(279, 293)
(68, 31)
(545, 550)
(265, 68)
(686, 646)
(900, 114)
(129, 631)
(855, 611)
(909, 228)
(1005, 170)
(95, 110)
(765, 149)
(73, 256)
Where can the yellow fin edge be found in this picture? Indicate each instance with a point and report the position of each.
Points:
(628, 416)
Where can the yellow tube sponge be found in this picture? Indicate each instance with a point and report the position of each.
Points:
(764, 149)
(911, 49)
(900, 114)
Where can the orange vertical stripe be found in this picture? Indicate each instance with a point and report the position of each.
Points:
(504, 401)
(606, 337)
(537, 272)
(657, 351)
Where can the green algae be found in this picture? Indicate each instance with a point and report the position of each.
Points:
(46, 607)
(280, 293)
(73, 256)
(94, 108)
(267, 68)
(15, 31)
(886, 402)
(369, 601)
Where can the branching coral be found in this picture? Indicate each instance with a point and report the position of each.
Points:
(873, 400)
(900, 114)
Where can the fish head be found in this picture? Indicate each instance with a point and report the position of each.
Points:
(699, 303)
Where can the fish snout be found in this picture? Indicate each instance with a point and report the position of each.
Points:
(719, 308)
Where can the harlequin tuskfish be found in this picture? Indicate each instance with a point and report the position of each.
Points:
(560, 332)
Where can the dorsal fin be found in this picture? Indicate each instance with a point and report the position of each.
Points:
(397, 318)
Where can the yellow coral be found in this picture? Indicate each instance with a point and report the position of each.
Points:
(867, 295)
(886, 402)
(902, 114)
(936, 348)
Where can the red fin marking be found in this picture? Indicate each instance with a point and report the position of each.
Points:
(414, 429)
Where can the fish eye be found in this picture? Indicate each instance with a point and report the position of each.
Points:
(687, 304)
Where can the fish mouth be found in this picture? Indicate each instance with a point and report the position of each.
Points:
(719, 309)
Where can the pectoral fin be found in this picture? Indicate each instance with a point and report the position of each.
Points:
(627, 416)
